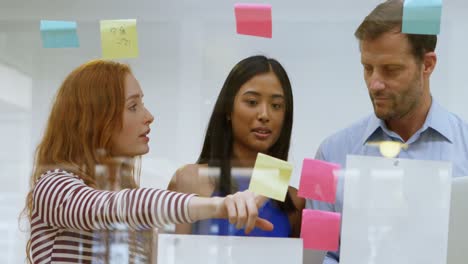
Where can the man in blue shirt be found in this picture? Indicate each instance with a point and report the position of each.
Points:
(397, 69)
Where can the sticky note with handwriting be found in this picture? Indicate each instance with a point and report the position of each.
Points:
(119, 38)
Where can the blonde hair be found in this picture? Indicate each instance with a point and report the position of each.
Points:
(87, 110)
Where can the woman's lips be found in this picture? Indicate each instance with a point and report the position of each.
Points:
(262, 134)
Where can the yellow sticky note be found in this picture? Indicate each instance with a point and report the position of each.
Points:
(270, 177)
(119, 39)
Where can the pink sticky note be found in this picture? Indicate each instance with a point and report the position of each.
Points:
(318, 180)
(253, 19)
(320, 230)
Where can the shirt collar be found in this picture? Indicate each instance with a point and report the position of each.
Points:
(373, 125)
(437, 119)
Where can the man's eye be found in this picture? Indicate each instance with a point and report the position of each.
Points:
(392, 71)
(367, 69)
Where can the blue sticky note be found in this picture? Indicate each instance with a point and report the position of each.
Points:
(422, 17)
(59, 34)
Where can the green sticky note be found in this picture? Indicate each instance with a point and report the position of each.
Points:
(270, 177)
(119, 39)
(59, 34)
(422, 17)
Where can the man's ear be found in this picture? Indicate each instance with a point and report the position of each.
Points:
(429, 63)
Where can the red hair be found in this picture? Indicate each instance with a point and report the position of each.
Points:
(87, 109)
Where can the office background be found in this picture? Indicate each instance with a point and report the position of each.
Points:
(186, 50)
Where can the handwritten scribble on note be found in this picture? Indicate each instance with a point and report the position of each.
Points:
(119, 39)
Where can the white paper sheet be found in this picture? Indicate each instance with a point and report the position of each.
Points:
(395, 211)
(203, 249)
(458, 228)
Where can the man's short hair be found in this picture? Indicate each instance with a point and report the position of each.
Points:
(388, 17)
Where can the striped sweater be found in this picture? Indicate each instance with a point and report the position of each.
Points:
(66, 212)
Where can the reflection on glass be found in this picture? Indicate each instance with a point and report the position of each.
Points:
(204, 249)
(389, 149)
(120, 243)
(395, 212)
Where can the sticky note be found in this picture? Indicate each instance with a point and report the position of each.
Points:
(253, 19)
(422, 17)
(318, 180)
(270, 177)
(320, 230)
(119, 38)
(59, 34)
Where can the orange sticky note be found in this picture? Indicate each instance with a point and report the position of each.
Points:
(318, 180)
(253, 19)
(320, 230)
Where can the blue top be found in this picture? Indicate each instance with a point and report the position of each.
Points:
(269, 211)
(443, 136)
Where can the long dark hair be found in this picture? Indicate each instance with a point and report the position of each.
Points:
(218, 144)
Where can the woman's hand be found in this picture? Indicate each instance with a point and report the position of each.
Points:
(240, 209)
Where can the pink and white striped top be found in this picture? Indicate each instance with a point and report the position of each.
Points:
(66, 211)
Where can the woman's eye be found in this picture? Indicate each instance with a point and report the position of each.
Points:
(277, 106)
(133, 107)
(252, 102)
